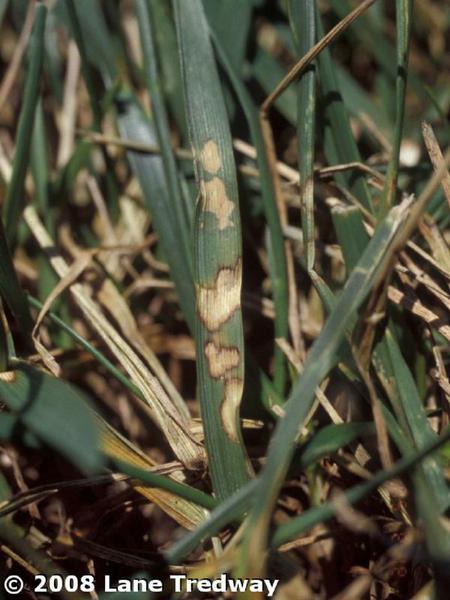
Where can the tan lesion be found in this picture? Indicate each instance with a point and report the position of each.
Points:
(210, 157)
(216, 201)
(217, 303)
(8, 376)
(229, 408)
(221, 359)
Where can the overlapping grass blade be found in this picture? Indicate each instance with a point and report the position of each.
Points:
(173, 423)
(322, 513)
(222, 17)
(147, 26)
(321, 358)
(189, 514)
(10, 290)
(217, 254)
(14, 200)
(401, 390)
(303, 22)
(94, 36)
(403, 10)
(149, 170)
(340, 145)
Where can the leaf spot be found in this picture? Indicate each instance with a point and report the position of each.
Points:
(210, 157)
(218, 303)
(216, 201)
(229, 409)
(221, 359)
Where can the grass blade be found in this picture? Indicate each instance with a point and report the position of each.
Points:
(147, 25)
(217, 254)
(149, 170)
(320, 360)
(403, 10)
(343, 142)
(56, 412)
(14, 201)
(302, 16)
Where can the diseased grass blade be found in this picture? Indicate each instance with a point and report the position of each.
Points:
(321, 358)
(149, 170)
(14, 200)
(403, 9)
(217, 254)
(278, 274)
(55, 412)
(302, 16)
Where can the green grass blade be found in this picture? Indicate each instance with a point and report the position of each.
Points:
(404, 15)
(217, 254)
(351, 234)
(14, 200)
(302, 16)
(166, 483)
(432, 493)
(232, 35)
(326, 511)
(335, 113)
(56, 412)
(147, 25)
(3, 8)
(10, 289)
(321, 358)
(91, 35)
(149, 170)
(167, 51)
(268, 72)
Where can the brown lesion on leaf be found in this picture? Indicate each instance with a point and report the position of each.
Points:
(210, 157)
(216, 304)
(229, 408)
(221, 359)
(216, 201)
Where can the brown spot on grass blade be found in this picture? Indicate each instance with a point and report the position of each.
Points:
(218, 303)
(210, 157)
(229, 409)
(216, 201)
(221, 359)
